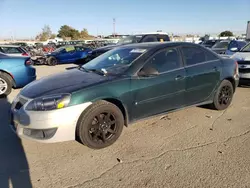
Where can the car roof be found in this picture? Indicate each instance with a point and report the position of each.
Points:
(225, 40)
(9, 45)
(157, 44)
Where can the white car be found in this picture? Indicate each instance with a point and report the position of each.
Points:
(13, 50)
(243, 59)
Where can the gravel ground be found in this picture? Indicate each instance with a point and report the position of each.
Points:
(195, 147)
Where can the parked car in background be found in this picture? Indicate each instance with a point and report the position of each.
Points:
(131, 82)
(209, 43)
(15, 72)
(67, 54)
(243, 59)
(221, 46)
(235, 46)
(142, 38)
(13, 50)
(23, 44)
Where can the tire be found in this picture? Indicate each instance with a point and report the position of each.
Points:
(52, 61)
(223, 96)
(5, 79)
(90, 130)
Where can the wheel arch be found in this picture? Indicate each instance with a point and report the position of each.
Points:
(232, 80)
(11, 76)
(120, 105)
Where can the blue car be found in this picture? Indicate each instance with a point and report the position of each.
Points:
(67, 54)
(15, 72)
(235, 46)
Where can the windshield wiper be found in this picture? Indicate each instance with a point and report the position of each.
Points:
(83, 69)
(102, 72)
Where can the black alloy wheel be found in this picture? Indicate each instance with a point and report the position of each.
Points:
(223, 96)
(103, 127)
(100, 125)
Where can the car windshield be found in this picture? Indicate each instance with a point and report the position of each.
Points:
(223, 44)
(246, 48)
(114, 61)
(130, 39)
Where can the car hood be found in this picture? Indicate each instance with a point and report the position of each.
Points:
(241, 56)
(66, 82)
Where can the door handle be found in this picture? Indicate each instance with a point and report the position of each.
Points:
(215, 68)
(179, 77)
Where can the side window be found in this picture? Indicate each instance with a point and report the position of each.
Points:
(165, 60)
(161, 38)
(210, 56)
(193, 55)
(78, 48)
(150, 38)
(11, 50)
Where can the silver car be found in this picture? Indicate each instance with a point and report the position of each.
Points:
(13, 50)
(243, 59)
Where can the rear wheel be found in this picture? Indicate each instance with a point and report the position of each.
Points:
(100, 125)
(224, 95)
(5, 84)
(52, 61)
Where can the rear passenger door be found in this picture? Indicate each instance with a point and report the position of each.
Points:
(203, 73)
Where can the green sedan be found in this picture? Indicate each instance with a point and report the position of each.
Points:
(92, 103)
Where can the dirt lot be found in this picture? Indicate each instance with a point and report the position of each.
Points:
(196, 147)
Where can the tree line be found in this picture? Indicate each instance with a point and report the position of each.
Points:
(68, 32)
(64, 32)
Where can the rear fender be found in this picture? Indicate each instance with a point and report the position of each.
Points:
(13, 80)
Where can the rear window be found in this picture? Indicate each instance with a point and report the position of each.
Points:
(11, 50)
(193, 55)
(222, 44)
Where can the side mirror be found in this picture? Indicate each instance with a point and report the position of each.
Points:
(147, 72)
(234, 49)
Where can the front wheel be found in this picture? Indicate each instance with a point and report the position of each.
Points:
(223, 96)
(100, 125)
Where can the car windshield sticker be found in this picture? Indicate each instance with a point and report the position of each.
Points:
(138, 51)
(69, 48)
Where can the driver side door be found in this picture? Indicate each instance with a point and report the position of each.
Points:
(155, 94)
(67, 55)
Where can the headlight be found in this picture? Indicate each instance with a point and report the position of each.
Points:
(49, 103)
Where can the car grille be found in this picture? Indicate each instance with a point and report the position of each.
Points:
(243, 62)
(20, 103)
(244, 70)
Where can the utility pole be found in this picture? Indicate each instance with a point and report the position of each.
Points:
(113, 27)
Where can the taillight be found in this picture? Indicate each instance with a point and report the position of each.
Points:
(236, 71)
(28, 63)
(25, 54)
